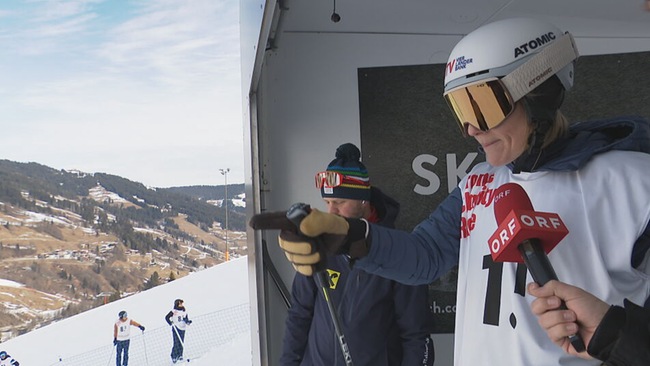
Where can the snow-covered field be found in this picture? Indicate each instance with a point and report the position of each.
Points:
(212, 290)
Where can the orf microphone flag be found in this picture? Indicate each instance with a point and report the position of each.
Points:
(523, 233)
(526, 235)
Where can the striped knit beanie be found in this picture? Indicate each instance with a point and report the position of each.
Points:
(356, 183)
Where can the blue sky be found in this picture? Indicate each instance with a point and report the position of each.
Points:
(145, 89)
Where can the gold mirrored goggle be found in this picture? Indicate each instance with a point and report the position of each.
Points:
(484, 104)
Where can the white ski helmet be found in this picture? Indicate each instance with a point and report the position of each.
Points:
(519, 54)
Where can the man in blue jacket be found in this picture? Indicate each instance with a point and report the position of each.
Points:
(384, 322)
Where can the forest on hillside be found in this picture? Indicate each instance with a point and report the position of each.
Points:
(62, 189)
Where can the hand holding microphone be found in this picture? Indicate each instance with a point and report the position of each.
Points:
(583, 307)
(525, 235)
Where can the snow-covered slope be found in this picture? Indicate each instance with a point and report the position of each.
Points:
(210, 291)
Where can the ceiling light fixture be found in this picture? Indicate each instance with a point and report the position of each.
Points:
(335, 17)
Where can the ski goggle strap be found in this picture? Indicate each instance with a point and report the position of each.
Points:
(486, 103)
(541, 67)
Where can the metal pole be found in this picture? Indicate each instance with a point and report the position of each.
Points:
(224, 172)
(145, 349)
(111, 357)
(227, 247)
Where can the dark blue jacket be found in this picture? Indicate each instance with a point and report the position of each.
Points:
(385, 323)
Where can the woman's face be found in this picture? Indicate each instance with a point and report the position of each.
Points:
(505, 142)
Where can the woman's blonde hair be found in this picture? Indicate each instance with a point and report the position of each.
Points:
(549, 94)
(559, 129)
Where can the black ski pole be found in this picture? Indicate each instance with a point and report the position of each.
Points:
(296, 214)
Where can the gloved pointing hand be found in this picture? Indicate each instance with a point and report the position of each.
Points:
(141, 328)
(321, 234)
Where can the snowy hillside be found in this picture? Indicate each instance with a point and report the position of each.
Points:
(72, 240)
(216, 300)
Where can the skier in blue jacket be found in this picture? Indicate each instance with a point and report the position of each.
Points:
(386, 323)
(6, 360)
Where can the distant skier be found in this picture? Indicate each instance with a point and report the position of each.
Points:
(121, 336)
(6, 360)
(178, 319)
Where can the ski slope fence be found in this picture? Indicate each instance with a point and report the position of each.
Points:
(153, 346)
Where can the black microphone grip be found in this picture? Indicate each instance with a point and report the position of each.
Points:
(542, 271)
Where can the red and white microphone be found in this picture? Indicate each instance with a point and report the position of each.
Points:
(525, 235)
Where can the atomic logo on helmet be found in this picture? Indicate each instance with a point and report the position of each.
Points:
(533, 44)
